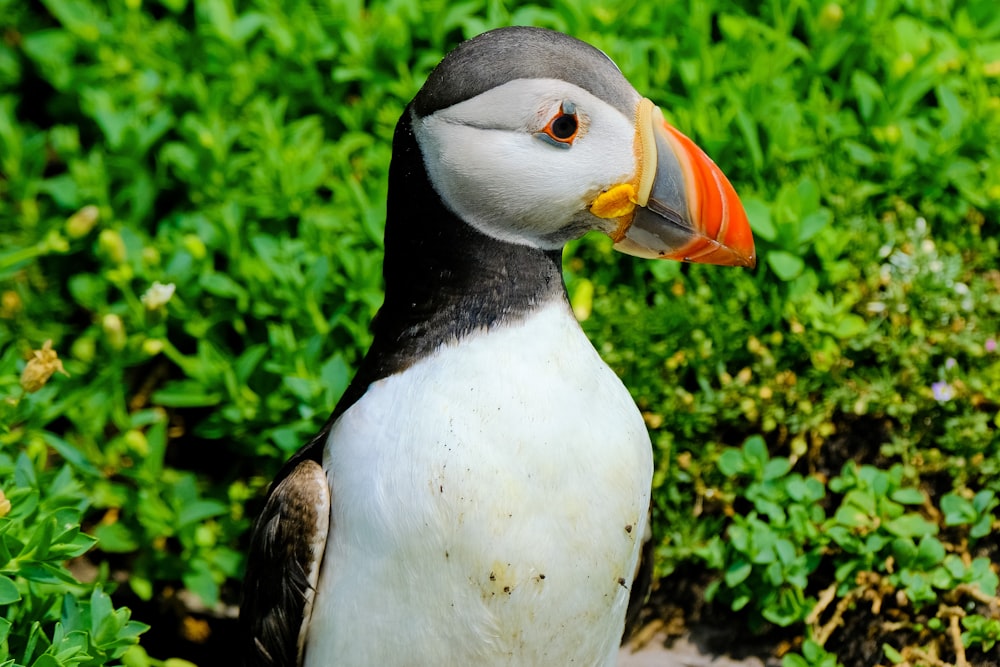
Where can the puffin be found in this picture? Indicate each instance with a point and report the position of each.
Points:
(480, 494)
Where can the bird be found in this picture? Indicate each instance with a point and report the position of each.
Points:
(480, 494)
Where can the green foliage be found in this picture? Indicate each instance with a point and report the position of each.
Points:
(238, 152)
(49, 618)
(768, 554)
(982, 631)
(813, 655)
(875, 530)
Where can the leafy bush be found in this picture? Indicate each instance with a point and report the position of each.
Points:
(191, 207)
(51, 619)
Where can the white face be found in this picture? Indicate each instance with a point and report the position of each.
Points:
(492, 164)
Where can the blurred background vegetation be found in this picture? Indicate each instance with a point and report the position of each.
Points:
(191, 208)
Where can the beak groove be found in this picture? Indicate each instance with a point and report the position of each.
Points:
(687, 208)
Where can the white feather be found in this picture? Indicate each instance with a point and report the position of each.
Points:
(489, 168)
(480, 504)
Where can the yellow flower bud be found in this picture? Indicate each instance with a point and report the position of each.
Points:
(80, 223)
(40, 367)
(137, 442)
(10, 304)
(903, 65)
(114, 331)
(150, 256)
(55, 242)
(111, 245)
(831, 16)
(152, 346)
(194, 245)
(4, 504)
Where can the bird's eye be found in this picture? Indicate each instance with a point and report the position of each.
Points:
(562, 129)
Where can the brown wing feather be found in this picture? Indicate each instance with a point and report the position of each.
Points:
(286, 550)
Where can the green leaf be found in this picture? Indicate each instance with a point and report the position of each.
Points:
(116, 538)
(813, 224)
(101, 610)
(755, 451)
(222, 285)
(54, 50)
(984, 501)
(141, 586)
(731, 462)
(911, 525)
(849, 326)
(930, 552)
(908, 496)
(759, 215)
(46, 573)
(80, 17)
(71, 454)
(982, 527)
(737, 573)
(201, 582)
(46, 660)
(957, 510)
(199, 510)
(784, 264)
(892, 654)
(8, 591)
(793, 660)
(776, 468)
(185, 394)
(335, 375)
(869, 93)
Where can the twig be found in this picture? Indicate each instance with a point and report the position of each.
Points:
(646, 634)
(918, 655)
(978, 595)
(149, 384)
(826, 596)
(823, 633)
(955, 632)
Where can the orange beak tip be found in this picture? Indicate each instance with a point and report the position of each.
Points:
(717, 211)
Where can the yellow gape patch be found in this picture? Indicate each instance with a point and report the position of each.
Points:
(616, 202)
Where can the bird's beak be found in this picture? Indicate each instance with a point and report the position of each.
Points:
(680, 205)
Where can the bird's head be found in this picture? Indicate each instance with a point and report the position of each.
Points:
(535, 138)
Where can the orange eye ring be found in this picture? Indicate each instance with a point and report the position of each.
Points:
(563, 129)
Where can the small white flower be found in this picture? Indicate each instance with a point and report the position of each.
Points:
(157, 296)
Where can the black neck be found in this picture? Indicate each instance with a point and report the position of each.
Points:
(443, 278)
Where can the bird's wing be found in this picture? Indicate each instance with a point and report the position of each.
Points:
(641, 583)
(286, 550)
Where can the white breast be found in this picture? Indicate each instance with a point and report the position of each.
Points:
(487, 507)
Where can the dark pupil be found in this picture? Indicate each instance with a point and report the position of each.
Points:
(564, 126)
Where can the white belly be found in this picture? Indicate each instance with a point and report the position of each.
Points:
(488, 505)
